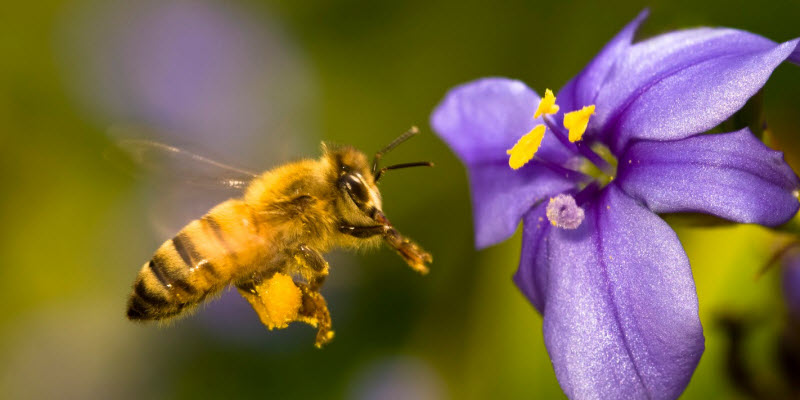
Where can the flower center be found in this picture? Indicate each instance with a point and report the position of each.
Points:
(603, 176)
(596, 165)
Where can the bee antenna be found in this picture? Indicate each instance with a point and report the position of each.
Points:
(403, 165)
(400, 139)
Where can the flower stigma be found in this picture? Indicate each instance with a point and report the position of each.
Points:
(563, 212)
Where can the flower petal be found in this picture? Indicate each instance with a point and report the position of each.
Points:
(500, 196)
(482, 119)
(683, 83)
(531, 276)
(731, 175)
(621, 317)
(583, 88)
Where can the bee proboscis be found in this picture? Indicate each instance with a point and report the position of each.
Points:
(270, 242)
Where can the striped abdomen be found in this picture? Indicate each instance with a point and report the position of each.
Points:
(204, 257)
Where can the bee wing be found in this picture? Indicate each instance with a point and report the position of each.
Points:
(187, 184)
(177, 164)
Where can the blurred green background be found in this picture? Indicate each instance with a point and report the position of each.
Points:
(258, 83)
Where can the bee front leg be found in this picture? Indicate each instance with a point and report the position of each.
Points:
(414, 256)
(363, 232)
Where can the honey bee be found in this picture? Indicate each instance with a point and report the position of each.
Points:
(270, 242)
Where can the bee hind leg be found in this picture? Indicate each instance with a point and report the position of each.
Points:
(314, 311)
(310, 264)
(250, 291)
(293, 295)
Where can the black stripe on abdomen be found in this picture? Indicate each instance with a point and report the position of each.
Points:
(190, 256)
(183, 285)
(148, 296)
(218, 234)
(157, 265)
(211, 270)
(183, 246)
(186, 249)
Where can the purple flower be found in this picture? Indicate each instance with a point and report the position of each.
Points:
(612, 280)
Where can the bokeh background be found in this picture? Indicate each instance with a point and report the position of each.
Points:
(257, 83)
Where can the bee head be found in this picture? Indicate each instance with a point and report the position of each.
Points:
(357, 178)
(354, 181)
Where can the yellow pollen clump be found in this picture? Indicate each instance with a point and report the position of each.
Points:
(577, 121)
(547, 105)
(526, 147)
(281, 299)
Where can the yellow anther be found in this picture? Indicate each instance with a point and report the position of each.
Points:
(526, 147)
(576, 122)
(547, 105)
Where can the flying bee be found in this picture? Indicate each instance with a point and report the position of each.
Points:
(270, 242)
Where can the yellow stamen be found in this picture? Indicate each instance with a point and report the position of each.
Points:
(526, 147)
(547, 105)
(576, 122)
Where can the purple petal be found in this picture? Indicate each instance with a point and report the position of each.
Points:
(730, 175)
(482, 119)
(500, 196)
(683, 83)
(531, 276)
(583, 88)
(621, 320)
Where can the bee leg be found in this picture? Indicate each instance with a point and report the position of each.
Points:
(249, 291)
(277, 300)
(314, 311)
(414, 256)
(312, 266)
(313, 308)
(363, 232)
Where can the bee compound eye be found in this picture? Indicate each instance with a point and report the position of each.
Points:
(353, 185)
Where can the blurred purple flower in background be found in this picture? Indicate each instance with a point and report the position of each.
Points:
(397, 378)
(196, 72)
(610, 277)
(791, 281)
